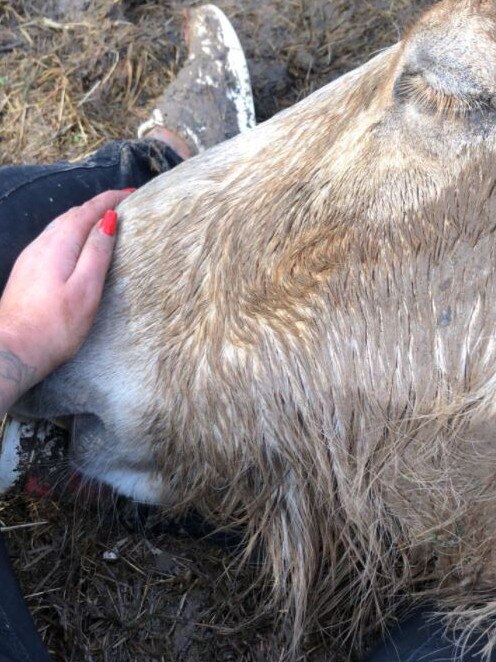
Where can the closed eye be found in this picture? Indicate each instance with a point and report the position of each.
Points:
(412, 86)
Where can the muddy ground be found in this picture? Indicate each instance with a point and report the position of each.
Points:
(107, 581)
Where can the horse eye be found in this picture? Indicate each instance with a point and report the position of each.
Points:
(412, 87)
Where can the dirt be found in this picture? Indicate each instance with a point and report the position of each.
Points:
(107, 580)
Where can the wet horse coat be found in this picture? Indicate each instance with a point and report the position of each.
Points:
(308, 348)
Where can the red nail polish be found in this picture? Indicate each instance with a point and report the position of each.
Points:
(108, 224)
(129, 190)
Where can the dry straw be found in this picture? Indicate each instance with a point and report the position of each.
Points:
(68, 86)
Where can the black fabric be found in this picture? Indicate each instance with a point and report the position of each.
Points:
(421, 639)
(33, 195)
(19, 640)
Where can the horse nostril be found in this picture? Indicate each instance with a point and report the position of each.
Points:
(87, 432)
(63, 422)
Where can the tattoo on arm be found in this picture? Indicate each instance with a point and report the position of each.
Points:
(15, 378)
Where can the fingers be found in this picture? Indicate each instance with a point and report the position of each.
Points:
(87, 214)
(64, 239)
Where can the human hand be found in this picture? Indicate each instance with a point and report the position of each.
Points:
(53, 293)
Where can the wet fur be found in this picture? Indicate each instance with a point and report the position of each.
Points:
(298, 336)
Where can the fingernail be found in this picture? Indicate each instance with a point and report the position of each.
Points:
(108, 224)
(129, 190)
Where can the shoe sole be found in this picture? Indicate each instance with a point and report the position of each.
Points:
(10, 449)
(31, 455)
